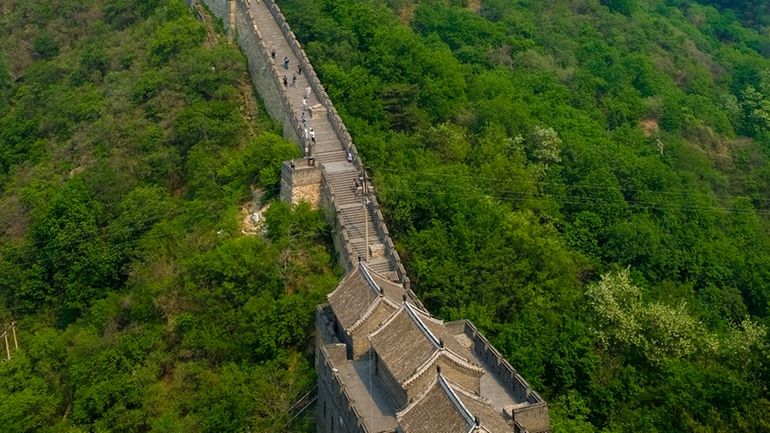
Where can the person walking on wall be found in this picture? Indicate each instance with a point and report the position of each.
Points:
(356, 187)
(293, 80)
(312, 135)
(285, 82)
(286, 63)
(299, 69)
(272, 53)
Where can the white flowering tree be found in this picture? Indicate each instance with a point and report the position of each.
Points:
(545, 146)
(624, 320)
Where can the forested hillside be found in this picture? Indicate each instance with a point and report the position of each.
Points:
(129, 139)
(588, 181)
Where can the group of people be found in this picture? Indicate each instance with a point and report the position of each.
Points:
(305, 112)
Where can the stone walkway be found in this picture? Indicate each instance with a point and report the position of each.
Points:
(329, 150)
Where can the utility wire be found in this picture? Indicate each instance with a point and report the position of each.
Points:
(428, 187)
(621, 188)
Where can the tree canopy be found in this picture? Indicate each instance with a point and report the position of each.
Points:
(585, 180)
(129, 140)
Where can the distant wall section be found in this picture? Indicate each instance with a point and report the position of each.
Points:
(263, 76)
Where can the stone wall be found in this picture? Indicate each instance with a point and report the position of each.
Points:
(469, 380)
(268, 84)
(390, 384)
(301, 183)
(220, 9)
(341, 131)
(335, 412)
(263, 76)
(324, 329)
(533, 416)
(339, 235)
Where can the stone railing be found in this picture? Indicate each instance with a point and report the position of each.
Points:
(315, 83)
(390, 248)
(533, 413)
(328, 375)
(345, 247)
(342, 134)
(508, 375)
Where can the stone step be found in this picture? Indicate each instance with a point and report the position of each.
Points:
(383, 266)
(328, 151)
(357, 230)
(339, 176)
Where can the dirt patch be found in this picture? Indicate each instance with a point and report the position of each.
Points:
(649, 127)
(252, 213)
(406, 13)
(474, 5)
(14, 219)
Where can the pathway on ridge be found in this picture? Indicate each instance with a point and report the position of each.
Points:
(329, 149)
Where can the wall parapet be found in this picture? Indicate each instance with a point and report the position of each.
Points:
(345, 247)
(344, 137)
(327, 374)
(534, 413)
(315, 83)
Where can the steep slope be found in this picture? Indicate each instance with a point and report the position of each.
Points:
(129, 139)
(527, 153)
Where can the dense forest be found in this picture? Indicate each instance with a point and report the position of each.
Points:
(129, 139)
(588, 181)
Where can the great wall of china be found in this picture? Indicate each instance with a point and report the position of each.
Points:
(384, 363)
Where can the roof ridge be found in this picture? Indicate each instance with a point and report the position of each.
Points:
(373, 284)
(469, 418)
(347, 277)
(423, 327)
(451, 356)
(366, 314)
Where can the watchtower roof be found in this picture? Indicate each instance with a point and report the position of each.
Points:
(410, 338)
(358, 291)
(447, 408)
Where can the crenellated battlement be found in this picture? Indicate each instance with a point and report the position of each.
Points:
(369, 375)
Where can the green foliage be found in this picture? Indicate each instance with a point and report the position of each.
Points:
(175, 36)
(625, 7)
(123, 13)
(46, 46)
(209, 122)
(260, 161)
(5, 83)
(76, 264)
(563, 141)
(124, 162)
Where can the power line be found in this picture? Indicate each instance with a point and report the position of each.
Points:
(521, 196)
(144, 224)
(428, 187)
(621, 188)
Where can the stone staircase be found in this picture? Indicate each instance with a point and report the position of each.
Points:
(356, 217)
(357, 222)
